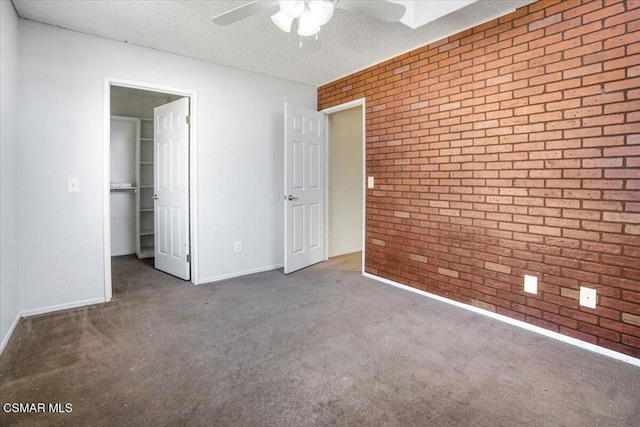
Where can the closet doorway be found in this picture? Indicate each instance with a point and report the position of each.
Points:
(148, 205)
(345, 179)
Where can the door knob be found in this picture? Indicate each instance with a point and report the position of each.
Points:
(291, 197)
(155, 197)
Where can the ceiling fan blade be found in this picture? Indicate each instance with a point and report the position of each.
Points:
(383, 10)
(310, 44)
(241, 12)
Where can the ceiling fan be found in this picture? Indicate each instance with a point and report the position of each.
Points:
(310, 15)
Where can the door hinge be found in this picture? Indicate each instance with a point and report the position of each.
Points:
(188, 120)
(188, 257)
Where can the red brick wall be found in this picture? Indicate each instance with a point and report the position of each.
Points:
(513, 148)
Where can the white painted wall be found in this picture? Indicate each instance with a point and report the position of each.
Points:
(61, 105)
(9, 284)
(345, 181)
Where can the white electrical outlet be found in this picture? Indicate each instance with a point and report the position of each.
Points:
(587, 297)
(73, 185)
(238, 247)
(530, 284)
(370, 182)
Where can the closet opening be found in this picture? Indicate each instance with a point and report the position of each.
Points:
(148, 209)
(345, 180)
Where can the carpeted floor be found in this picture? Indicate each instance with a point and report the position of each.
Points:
(323, 346)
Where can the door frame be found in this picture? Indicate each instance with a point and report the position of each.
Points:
(327, 111)
(193, 172)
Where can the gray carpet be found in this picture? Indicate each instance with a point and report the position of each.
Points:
(323, 346)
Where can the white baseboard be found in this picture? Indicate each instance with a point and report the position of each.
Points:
(555, 335)
(52, 308)
(237, 274)
(4, 342)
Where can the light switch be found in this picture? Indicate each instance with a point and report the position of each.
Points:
(370, 182)
(73, 185)
(530, 284)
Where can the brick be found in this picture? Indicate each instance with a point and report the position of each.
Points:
(563, 223)
(601, 247)
(631, 296)
(603, 13)
(598, 331)
(563, 183)
(550, 20)
(577, 234)
(447, 272)
(574, 294)
(582, 71)
(418, 258)
(584, 152)
(605, 99)
(560, 320)
(483, 305)
(606, 141)
(549, 231)
(621, 217)
(626, 328)
(631, 341)
(622, 195)
(627, 128)
(561, 203)
(602, 163)
(497, 267)
(632, 229)
(581, 214)
(603, 183)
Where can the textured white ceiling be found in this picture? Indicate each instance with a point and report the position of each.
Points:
(350, 42)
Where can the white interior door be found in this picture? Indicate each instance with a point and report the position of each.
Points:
(171, 188)
(304, 188)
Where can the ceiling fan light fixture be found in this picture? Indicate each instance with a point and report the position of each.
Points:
(292, 8)
(282, 21)
(308, 25)
(322, 10)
